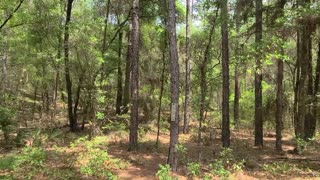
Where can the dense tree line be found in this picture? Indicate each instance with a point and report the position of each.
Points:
(170, 61)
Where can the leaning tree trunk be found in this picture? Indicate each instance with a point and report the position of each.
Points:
(72, 120)
(174, 86)
(225, 73)
(188, 53)
(133, 138)
(119, 88)
(258, 78)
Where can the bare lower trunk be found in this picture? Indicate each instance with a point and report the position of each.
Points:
(225, 76)
(174, 86)
(258, 79)
(134, 121)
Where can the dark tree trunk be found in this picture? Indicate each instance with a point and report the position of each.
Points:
(236, 117)
(310, 120)
(76, 103)
(258, 78)
(72, 120)
(174, 86)
(133, 138)
(119, 88)
(126, 90)
(280, 89)
(225, 74)
(188, 54)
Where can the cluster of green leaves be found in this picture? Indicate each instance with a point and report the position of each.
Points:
(277, 168)
(24, 165)
(194, 169)
(164, 173)
(226, 164)
(94, 159)
(6, 121)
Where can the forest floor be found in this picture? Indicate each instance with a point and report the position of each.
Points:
(66, 154)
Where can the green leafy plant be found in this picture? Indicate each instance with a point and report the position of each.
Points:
(164, 172)
(226, 164)
(6, 122)
(277, 168)
(182, 152)
(194, 169)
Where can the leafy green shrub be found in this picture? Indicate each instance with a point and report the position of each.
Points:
(277, 168)
(182, 153)
(164, 172)
(94, 159)
(7, 162)
(194, 169)
(6, 122)
(226, 164)
(31, 157)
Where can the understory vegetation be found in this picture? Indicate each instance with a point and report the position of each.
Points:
(159, 89)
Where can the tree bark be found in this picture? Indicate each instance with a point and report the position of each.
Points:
(174, 86)
(119, 88)
(258, 78)
(126, 91)
(133, 139)
(188, 54)
(225, 74)
(72, 120)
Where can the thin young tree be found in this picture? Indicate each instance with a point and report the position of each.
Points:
(225, 74)
(133, 137)
(174, 86)
(72, 120)
(188, 54)
(258, 78)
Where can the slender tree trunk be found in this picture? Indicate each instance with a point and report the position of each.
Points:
(133, 138)
(258, 78)
(188, 53)
(279, 104)
(310, 120)
(126, 91)
(119, 88)
(316, 90)
(76, 103)
(203, 83)
(161, 94)
(225, 74)
(72, 121)
(105, 31)
(174, 86)
(236, 72)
